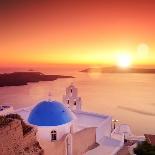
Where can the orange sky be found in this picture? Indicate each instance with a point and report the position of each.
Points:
(76, 31)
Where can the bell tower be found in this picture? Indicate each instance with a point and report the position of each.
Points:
(71, 98)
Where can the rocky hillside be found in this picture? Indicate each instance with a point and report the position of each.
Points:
(17, 138)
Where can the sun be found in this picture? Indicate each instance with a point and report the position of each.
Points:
(124, 60)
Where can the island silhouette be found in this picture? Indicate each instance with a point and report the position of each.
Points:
(23, 78)
(116, 69)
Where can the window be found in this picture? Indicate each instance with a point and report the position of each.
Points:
(74, 102)
(53, 135)
(68, 101)
(71, 90)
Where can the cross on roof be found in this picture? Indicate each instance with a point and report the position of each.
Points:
(49, 96)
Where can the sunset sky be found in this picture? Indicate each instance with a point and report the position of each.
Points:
(76, 31)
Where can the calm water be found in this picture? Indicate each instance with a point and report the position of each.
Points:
(130, 98)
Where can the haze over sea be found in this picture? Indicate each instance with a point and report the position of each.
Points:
(130, 98)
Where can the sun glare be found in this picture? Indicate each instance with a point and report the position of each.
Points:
(143, 50)
(124, 60)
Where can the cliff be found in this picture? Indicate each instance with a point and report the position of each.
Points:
(17, 138)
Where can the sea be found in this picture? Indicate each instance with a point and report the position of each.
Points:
(129, 97)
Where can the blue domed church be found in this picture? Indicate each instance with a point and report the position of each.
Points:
(52, 118)
(63, 128)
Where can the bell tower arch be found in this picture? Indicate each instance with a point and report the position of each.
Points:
(71, 98)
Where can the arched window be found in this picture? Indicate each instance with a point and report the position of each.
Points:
(74, 102)
(68, 101)
(53, 135)
(71, 90)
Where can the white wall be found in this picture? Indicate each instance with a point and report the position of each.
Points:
(104, 129)
(45, 131)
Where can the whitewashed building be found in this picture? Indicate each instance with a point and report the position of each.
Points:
(65, 129)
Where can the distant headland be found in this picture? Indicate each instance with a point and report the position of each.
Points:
(22, 78)
(119, 70)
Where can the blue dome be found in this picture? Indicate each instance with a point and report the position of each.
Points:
(50, 113)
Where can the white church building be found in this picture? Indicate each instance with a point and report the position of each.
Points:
(64, 129)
